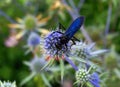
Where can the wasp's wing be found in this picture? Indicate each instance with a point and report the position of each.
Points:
(74, 27)
(62, 27)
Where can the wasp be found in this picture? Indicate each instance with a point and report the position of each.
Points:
(69, 33)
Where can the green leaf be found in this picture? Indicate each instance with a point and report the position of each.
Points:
(117, 72)
(45, 80)
(104, 77)
(89, 84)
(28, 78)
(114, 3)
(62, 15)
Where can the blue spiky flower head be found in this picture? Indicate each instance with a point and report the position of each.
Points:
(84, 76)
(7, 84)
(33, 43)
(54, 47)
(33, 39)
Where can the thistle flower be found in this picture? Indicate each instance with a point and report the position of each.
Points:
(33, 43)
(56, 50)
(7, 84)
(84, 50)
(33, 39)
(84, 77)
(53, 50)
(29, 23)
(36, 64)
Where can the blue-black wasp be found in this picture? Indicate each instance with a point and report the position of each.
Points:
(69, 33)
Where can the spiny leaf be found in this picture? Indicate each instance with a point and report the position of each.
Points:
(45, 80)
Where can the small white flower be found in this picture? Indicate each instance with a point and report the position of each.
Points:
(7, 84)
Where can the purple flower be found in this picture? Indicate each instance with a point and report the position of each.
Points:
(33, 39)
(55, 49)
(53, 46)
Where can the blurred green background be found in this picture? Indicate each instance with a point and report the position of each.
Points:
(102, 23)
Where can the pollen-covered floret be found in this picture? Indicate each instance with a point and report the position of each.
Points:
(82, 75)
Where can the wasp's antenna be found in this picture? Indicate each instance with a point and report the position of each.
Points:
(61, 26)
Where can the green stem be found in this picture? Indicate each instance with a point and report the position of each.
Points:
(62, 70)
(45, 80)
